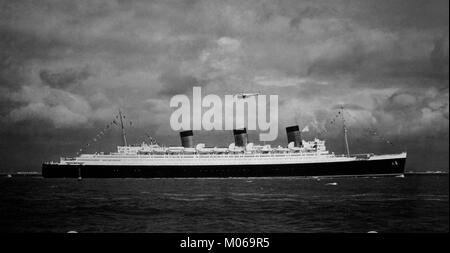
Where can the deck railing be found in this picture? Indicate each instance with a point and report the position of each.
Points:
(238, 156)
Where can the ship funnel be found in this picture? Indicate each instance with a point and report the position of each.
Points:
(240, 137)
(187, 139)
(293, 135)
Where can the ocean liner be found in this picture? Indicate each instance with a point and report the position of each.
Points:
(299, 158)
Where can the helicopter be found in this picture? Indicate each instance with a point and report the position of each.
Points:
(246, 95)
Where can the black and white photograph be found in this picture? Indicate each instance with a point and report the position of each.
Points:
(224, 117)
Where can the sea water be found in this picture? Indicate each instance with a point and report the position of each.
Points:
(415, 203)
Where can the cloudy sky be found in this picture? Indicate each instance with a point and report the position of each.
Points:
(67, 66)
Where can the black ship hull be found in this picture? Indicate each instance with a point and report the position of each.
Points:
(395, 166)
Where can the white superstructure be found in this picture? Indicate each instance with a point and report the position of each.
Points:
(310, 152)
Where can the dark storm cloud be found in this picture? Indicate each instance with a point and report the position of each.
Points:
(402, 15)
(310, 12)
(418, 111)
(69, 65)
(176, 83)
(349, 107)
(64, 78)
(440, 56)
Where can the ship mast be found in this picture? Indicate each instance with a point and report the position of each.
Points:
(345, 131)
(124, 138)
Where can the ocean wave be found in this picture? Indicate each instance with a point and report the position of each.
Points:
(436, 200)
(121, 198)
(264, 194)
(365, 195)
(266, 199)
(189, 199)
(189, 195)
(98, 198)
(433, 195)
(426, 172)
